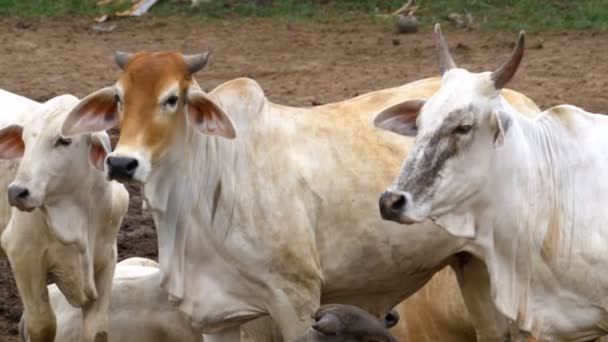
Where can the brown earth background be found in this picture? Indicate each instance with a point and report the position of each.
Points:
(299, 64)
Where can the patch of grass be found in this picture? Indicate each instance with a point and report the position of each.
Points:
(34, 8)
(531, 15)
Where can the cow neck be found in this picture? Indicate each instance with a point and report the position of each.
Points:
(182, 194)
(70, 215)
(527, 190)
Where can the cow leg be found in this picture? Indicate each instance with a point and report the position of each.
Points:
(474, 282)
(30, 277)
(228, 335)
(95, 313)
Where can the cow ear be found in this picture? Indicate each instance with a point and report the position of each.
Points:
(99, 150)
(208, 117)
(96, 112)
(400, 118)
(501, 123)
(11, 143)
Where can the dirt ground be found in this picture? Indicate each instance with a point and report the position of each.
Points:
(296, 63)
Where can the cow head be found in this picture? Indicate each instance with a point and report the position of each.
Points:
(152, 102)
(339, 322)
(51, 165)
(456, 131)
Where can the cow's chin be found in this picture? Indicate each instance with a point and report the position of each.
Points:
(409, 219)
(25, 207)
(411, 216)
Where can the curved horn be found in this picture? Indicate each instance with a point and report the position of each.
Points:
(195, 63)
(122, 58)
(505, 72)
(445, 58)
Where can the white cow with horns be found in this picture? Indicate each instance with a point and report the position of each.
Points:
(528, 194)
(263, 209)
(64, 222)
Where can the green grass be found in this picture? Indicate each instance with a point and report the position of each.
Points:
(530, 15)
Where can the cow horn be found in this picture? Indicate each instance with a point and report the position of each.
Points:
(122, 58)
(445, 58)
(505, 72)
(195, 63)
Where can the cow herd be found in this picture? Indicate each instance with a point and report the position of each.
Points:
(278, 223)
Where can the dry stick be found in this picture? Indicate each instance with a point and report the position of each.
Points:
(406, 7)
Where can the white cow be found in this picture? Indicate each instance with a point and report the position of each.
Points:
(280, 219)
(16, 109)
(65, 219)
(139, 310)
(528, 194)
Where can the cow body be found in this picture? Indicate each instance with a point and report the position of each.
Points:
(67, 220)
(526, 192)
(139, 310)
(244, 225)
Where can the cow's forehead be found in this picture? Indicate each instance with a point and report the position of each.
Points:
(153, 72)
(459, 94)
(50, 116)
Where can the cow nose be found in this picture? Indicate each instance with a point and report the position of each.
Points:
(122, 168)
(392, 204)
(17, 194)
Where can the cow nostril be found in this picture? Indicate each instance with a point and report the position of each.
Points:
(398, 202)
(131, 165)
(24, 193)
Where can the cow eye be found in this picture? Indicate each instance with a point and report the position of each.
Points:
(172, 101)
(116, 98)
(63, 142)
(463, 129)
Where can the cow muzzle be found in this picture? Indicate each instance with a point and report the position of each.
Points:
(20, 197)
(397, 206)
(121, 169)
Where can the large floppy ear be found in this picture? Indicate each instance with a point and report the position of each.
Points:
(99, 149)
(208, 117)
(96, 112)
(501, 123)
(400, 118)
(11, 144)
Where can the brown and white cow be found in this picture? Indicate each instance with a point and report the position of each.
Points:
(64, 220)
(264, 209)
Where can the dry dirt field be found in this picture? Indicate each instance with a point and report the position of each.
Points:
(300, 64)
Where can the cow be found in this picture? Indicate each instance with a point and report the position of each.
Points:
(17, 110)
(64, 220)
(343, 323)
(139, 310)
(527, 194)
(240, 190)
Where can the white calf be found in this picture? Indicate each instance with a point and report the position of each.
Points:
(67, 220)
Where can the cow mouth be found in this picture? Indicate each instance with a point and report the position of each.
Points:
(24, 207)
(122, 179)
